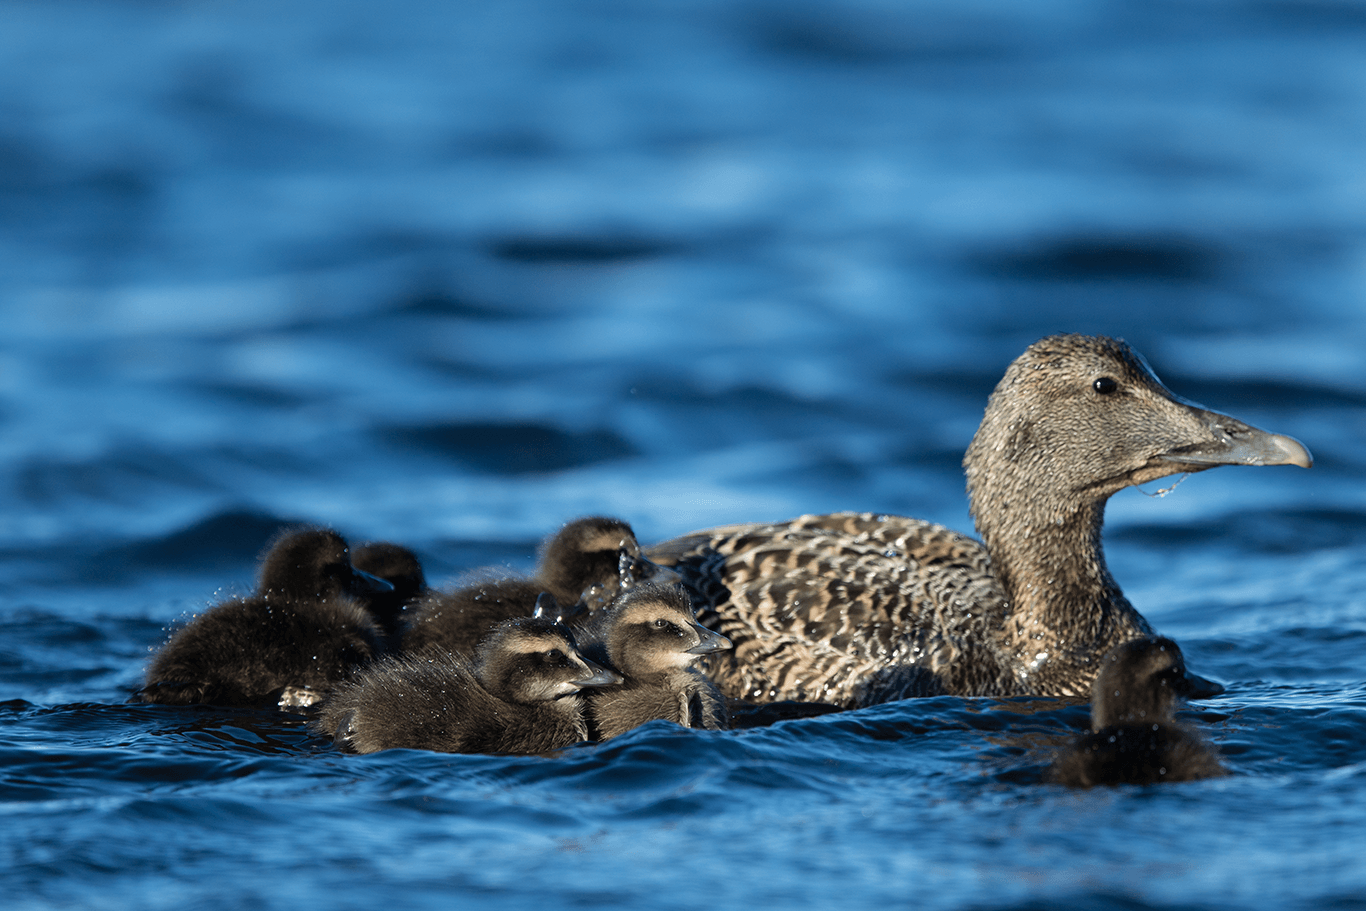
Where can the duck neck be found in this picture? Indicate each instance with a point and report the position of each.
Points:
(1066, 610)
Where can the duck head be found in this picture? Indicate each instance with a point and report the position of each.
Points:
(1077, 418)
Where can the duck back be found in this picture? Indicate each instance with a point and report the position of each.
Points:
(1135, 754)
(302, 632)
(455, 621)
(848, 608)
(435, 702)
(253, 653)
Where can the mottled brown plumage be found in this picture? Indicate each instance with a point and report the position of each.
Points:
(1134, 737)
(860, 608)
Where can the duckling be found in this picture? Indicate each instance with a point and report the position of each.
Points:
(860, 608)
(1134, 738)
(398, 566)
(520, 694)
(303, 631)
(586, 563)
(650, 637)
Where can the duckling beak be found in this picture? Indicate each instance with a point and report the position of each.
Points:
(1193, 686)
(597, 676)
(710, 641)
(636, 570)
(364, 583)
(653, 572)
(1236, 443)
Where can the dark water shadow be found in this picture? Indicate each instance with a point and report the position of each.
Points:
(511, 448)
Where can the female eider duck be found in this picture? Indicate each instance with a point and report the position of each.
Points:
(304, 630)
(650, 637)
(520, 694)
(587, 563)
(859, 608)
(1134, 738)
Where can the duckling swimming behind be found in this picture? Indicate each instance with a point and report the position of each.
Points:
(650, 637)
(520, 694)
(303, 631)
(1134, 738)
(590, 559)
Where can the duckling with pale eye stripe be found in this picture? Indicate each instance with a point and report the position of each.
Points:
(1134, 738)
(650, 636)
(302, 632)
(520, 694)
(587, 563)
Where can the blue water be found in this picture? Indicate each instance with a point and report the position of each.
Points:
(452, 274)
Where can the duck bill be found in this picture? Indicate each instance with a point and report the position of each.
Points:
(1231, 442)
(653, 572)
(710, 642)
(1193, 686)
(596, 676)
(633, 569)
(362, 583)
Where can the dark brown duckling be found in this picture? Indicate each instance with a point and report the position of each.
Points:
(520, 694)
(588, 562)
(1134, 738)
(398, 566)
(303, 631)
(650, 637)
(861, 608)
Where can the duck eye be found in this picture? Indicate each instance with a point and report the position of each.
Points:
(555, 655)
(1105, 385)
(661, 623)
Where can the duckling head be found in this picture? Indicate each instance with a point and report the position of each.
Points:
(594, 559)
(534, 659)
(313, 564)
(1142, 681)
(393, 563)
(652, 630)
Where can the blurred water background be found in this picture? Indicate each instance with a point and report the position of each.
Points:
(452, 274)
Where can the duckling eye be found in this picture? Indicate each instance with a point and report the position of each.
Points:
(661, 623)
(1105, 385)
(555, 655)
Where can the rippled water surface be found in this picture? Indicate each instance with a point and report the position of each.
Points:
(452, 274)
